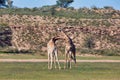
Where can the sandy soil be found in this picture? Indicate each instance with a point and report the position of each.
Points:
(45, 60)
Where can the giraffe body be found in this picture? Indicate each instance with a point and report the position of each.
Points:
(70, 50)
(52, 53)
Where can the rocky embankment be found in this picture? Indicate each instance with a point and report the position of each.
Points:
(33, 32)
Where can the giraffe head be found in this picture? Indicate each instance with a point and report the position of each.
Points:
(62, 34)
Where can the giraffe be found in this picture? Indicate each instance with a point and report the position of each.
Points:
(52, 53)
(70, 50)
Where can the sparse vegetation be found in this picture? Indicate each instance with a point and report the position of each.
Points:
(104, 52)
(86, 13)
(32, 28)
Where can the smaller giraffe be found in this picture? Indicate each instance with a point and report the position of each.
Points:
(70, 50)
(52, 53)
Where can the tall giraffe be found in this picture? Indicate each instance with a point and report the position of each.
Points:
(52, 53)
(70, 50)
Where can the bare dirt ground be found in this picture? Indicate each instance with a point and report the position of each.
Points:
(45, 60)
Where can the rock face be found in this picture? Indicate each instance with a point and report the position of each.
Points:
(33, 32)
(5, 36)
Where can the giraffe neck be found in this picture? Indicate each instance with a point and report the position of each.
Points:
(65, 36)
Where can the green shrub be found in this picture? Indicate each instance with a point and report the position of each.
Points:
(51, 11)
(104, 52)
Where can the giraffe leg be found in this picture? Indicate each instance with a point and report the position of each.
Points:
(65, 60)
(54, 61)
(65, 63)
(56, 55)
(51, 56)
(69, 61)
(48, 60)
